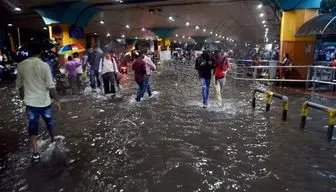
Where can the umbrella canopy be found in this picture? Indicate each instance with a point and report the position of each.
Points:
(70, 49)
(323, 24)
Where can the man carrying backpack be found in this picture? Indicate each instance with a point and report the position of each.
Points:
(204, 66)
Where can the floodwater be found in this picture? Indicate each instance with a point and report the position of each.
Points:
(168, 143)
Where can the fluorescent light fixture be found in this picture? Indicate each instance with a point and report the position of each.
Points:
(10, 25)
(45, 28)
(171, 18)
(197, 27)
(18, 9)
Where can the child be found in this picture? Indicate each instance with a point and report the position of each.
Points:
(70, 68)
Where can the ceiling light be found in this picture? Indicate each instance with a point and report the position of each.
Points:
(220, 36)
(275, 41)
(183, 36)
(211, 33)
(205, 40)
(151, 11)
(127, 26)
(108, 35)
(261, 14)
(45, 28)
(10, 25)
(147, 39)
(18, 9)
(121, 1)
(176, 35)
(265, 25)
(180, 42)
(123, 36)
(189, 37)
(187, 23)
(216, 34)
(197, 27)
(143, 29)
(175, 42)
(266, 29)
(171, 18)
(95, 33)
(263, 22)
(102, 22)
(227, 38)
(260, 6)
(204, 30)
(136, 37)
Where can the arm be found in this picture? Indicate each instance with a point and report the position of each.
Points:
(100, 70)
(50, 85)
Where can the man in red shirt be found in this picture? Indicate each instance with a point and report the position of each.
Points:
(222, 66)
(139, 67)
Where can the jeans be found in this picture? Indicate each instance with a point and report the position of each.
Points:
(219, 86)
(147, 87)
(94, 76)
(79, 80)
(108, 79)
(205, 90)
(141, 90)
(34, 114)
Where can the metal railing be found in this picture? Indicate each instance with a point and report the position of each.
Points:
(315, 74)
(269, 95)
(331, 112)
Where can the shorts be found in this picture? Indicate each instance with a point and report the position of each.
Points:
(34, 114)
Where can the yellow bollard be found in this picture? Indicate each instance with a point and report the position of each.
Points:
(268, 100)
(332, 122)
(304, 114)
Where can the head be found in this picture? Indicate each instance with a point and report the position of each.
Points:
(287, 55)
(69, 58)
(76, 55)
(107, 56)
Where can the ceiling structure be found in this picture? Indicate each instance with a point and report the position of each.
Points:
(238, 20)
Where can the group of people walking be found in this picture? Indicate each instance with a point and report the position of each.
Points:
(216, 65)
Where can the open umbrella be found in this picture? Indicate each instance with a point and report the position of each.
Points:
(322, 24)
(70, 49)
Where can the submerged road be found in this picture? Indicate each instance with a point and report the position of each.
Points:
(168, 143)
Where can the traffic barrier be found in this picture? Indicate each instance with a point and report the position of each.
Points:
(269, 95)
(331, 112)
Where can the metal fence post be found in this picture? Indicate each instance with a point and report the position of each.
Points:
(254, 100)
(314, 78)
(308, 78)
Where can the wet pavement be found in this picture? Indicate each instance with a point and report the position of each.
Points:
(169, 143)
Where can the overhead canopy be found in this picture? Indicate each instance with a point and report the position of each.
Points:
(323, 24)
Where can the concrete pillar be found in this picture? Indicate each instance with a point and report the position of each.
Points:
(300, 49)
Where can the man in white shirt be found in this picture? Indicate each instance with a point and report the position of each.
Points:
(107, 69)
(36, 87)
(150, 67)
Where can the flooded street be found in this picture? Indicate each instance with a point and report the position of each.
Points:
(168, 143)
